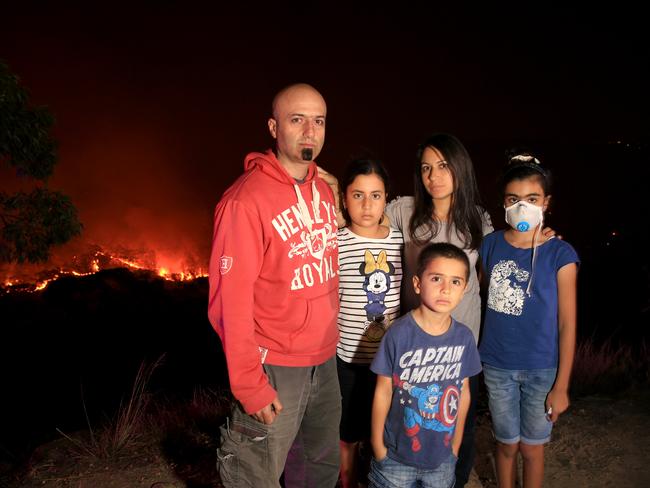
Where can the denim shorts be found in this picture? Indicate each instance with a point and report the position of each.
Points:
(517, 401)
(389, 473)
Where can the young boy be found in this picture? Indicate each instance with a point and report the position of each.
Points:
(422, 366)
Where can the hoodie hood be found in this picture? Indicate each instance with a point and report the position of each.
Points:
(269, 164)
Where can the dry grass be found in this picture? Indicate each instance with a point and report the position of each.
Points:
(182, 433)
(125, 429)
(609, 368)
(187, 433)
(606, 368)
(150, 434)
(207, 405)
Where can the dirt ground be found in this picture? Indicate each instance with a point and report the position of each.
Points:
(599, 442)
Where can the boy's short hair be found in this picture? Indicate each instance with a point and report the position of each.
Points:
(441, 250)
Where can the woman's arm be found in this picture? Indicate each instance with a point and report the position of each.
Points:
(333, 183)
(380, 408)
(558, 398)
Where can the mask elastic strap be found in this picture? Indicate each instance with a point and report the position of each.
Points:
(532, 266)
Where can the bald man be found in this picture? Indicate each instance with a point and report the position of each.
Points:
(274, 302)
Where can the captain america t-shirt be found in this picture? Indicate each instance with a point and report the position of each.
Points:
(427, 373)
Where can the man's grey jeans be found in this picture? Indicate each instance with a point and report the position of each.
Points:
(305, 436)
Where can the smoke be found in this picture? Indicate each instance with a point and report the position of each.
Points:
(137, 194)
(133, 191)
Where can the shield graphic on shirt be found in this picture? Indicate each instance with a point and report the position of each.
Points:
(225, 263)
(316, 242)
(449, 405)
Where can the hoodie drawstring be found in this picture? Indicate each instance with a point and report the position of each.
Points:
(302, 206)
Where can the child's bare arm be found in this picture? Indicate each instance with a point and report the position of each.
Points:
(380, 408)
(462, 415)
(558, 398)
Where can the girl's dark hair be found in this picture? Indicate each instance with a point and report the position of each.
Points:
(523, 164)
(362, 166)
(465, 213)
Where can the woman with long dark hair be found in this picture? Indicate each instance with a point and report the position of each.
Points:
(446, 207)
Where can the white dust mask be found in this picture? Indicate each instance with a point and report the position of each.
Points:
(524, 216)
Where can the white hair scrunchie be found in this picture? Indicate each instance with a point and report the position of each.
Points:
(525, 158)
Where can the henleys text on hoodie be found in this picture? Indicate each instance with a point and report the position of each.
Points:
(273, 275)
(303, 240)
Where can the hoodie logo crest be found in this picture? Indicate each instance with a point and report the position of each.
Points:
(225, 263)
(315, 243)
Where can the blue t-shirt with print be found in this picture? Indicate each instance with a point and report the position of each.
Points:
(521, 331)
(427, 373)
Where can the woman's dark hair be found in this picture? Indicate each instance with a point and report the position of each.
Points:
(521, 165)
(465, 213)
(363, 166)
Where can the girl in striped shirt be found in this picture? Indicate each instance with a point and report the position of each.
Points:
(370, 273)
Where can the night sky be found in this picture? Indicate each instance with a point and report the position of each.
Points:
(157, 105)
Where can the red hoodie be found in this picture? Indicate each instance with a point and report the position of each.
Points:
(273, 275)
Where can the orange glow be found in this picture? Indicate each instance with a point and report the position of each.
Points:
(173, 270)
(42, 285)
(128, 263)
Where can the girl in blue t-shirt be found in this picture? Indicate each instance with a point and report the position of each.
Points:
(528, 340)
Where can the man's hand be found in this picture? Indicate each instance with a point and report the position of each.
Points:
(267, 414)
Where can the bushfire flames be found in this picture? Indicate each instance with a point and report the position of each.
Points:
(97, 261)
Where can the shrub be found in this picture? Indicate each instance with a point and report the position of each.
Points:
(609, 367)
